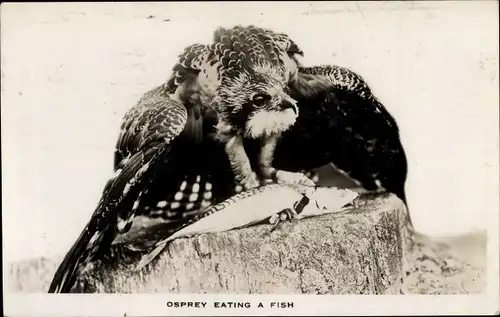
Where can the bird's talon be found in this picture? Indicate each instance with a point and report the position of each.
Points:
(250, 182)
(284, 215)
(312, 175)
(291, 178)
(291, 214)
(274, 226)
(274, 220)
(315, 178)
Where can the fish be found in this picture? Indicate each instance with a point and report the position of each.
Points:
(256, 205)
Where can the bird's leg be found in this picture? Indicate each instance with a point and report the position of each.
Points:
(265, 161)
(240, 164)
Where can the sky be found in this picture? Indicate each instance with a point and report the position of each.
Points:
(71, 71)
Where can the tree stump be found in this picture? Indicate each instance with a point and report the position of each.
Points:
(358, 251)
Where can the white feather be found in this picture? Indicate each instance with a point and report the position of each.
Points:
(267, 123)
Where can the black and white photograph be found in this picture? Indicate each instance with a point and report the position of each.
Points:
(230, 158)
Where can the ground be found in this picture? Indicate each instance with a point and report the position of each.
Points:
(454, 265)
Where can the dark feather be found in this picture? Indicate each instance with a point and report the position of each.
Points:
(344, 124)
(157, 123)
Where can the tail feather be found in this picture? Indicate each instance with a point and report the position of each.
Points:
(123, 197)
(65, 276)
(402, 195)
(101, 229)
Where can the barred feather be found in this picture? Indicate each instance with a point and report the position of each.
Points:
(150, 131)
(235, 49)
(318, 79)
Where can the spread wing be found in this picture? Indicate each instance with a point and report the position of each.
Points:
(194, 59)
(342, 122)
(152, 133)
(314, 81)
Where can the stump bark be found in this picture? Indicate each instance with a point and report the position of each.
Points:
(362, 250)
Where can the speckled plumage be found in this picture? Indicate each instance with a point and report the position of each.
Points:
(168, 165)
(233, 50)
(225, 76)
(239, 62)
(150, 131)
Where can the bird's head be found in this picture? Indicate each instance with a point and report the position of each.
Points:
(255, 101)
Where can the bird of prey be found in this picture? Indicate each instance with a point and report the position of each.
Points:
(170, 137)
(171, 163)
(243, 78)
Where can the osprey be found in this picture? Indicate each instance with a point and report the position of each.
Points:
(186, 144)
(242, 77)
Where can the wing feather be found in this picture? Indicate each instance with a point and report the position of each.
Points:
(150, 133)
(343, 123)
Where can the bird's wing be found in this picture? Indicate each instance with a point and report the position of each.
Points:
(313, 81)
(342, 122)
(151, 133)
(191, 61)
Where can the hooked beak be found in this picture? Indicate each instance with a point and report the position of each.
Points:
(289, 103)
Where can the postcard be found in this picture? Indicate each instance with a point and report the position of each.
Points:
(250, 158)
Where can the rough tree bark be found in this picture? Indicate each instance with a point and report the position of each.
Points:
(359, 251)
(356, 252)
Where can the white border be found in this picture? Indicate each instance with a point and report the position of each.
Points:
(17, 304)
(156, 305)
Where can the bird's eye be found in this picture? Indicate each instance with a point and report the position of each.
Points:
(259, 100)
